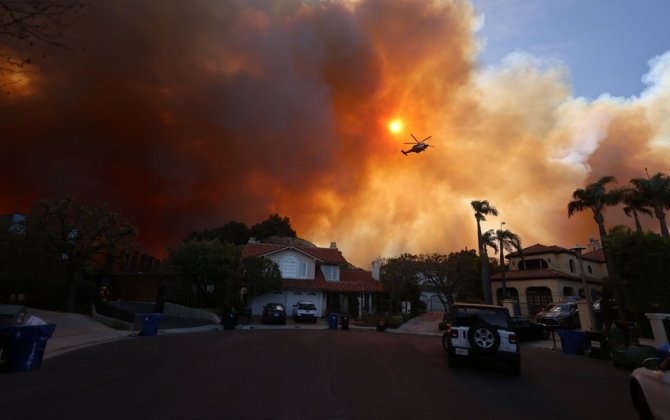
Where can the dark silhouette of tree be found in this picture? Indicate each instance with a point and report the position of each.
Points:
(76, 238)
(635, 203)
(656, 193)
(211, 267)
(274, 225)
(483, 209)
(502, 240)
(595, 198)
(232, 232)
(261, 275)
(30, 27)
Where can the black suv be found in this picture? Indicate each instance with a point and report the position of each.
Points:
(484, 333)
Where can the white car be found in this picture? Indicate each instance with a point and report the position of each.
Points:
(305, 311)
(650, 389)
(484, 333)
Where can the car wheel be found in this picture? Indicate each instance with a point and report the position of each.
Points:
(640, 402)
(483, 337)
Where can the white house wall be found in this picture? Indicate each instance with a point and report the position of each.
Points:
(277, 257)
(288, 299)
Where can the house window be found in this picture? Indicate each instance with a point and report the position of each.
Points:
(590, 270)
(330, 272)
(290, 267)
(572, 266)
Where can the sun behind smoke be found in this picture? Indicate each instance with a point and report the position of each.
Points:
(395, 126)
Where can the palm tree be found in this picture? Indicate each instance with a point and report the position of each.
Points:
(635, 203)
(595, 197)
(483, 209)
(502, 240)
(656, 192)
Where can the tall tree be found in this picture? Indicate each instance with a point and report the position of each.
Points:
(483, 209)
(77, 237)
(502, 240)
(211, 267)
(656, 192)
(635, 203)
(27, 28)
(399, 276)
(451, 276)
(232, 232)
(274, 225)
(261, 275)
(596, 198)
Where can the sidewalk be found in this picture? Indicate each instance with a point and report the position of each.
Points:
(75, 331)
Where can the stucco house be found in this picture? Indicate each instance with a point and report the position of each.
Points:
(320, 275)
(546, 274)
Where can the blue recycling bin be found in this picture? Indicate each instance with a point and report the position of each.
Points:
(572, 342)
(332, 321)
(24, 345)
(150, 324)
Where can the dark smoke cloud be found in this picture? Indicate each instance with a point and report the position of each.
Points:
(185, 115)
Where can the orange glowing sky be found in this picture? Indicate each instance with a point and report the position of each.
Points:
(185, 115)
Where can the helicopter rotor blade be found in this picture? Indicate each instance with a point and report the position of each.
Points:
(414, 137)
(425, 139)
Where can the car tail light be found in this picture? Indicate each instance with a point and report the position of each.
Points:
(453, 333)
(512, 339)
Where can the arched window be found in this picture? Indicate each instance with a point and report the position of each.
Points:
(291, 268)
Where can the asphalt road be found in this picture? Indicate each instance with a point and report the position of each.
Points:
(307, 374)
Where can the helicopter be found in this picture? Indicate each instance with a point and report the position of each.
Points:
(418, 146)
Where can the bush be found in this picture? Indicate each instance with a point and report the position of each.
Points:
(395, 321)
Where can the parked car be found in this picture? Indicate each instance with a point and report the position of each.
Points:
(650, 388)
(305, 311)
(482, 333)
(274, 313)
(527, 330)
(559, 315)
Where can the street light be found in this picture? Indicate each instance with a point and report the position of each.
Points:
(577, 249)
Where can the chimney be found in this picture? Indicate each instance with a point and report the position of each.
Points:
(333, 245)
(376, 266)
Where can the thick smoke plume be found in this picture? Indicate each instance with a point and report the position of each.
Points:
(185, 115)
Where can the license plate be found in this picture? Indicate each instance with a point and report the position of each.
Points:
(462, 352)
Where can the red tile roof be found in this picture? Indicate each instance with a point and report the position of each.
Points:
(325, 255)
(541, 274)
(596, 256)
(540, 249)
(350, 281)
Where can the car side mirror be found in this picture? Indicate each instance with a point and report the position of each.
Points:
(653, 363)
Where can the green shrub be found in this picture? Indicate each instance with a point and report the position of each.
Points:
(395, 321)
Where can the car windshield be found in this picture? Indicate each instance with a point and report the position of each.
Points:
(560, 308)
(467, 316)
(307, 306)
(276, 307)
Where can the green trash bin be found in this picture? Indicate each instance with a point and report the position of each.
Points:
(24, 345)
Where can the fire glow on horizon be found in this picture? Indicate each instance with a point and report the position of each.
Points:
(185, 116)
